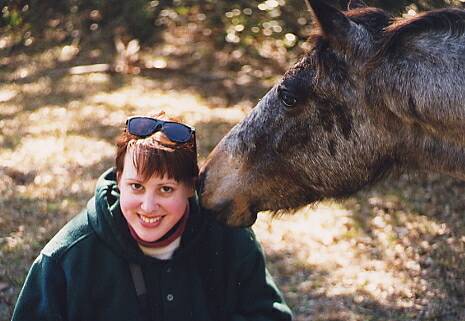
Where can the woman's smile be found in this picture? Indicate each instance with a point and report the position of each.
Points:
(149, 221)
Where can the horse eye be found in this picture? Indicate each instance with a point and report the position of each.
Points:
(287, 98)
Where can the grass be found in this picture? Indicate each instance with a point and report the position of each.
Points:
(394, 252)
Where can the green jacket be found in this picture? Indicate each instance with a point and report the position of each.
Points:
(217, 274)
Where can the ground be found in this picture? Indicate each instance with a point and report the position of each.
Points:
(395, 251)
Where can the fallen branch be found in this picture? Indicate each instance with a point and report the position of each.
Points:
(87, 69)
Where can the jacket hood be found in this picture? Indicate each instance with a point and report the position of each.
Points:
(106, 219)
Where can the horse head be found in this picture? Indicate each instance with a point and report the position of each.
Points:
(372, 94)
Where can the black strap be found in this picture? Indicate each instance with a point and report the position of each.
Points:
(141, 290)
(138, 279)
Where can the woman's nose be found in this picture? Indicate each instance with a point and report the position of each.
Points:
(149, 204)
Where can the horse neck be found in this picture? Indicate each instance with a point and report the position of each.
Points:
(436, 154)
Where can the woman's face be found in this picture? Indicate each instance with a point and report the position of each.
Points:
(154, 206)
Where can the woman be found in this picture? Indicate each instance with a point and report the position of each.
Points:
(143, 250)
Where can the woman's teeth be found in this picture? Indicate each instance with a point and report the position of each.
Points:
(150, 219)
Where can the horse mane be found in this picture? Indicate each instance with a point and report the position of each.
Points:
(449, 21)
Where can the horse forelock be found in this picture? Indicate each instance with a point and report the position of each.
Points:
(375, 20)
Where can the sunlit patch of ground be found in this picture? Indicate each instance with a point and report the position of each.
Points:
(370, 257)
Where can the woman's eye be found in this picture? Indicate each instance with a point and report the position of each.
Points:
(287, 98)
(136, 186)
(166, 189)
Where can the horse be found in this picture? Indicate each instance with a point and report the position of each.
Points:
(371, 95)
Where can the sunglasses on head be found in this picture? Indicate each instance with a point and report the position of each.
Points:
(142, 126)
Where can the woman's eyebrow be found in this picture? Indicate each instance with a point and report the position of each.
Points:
(168, 182)
(137, 179)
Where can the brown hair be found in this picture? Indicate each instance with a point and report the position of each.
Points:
(157, 155)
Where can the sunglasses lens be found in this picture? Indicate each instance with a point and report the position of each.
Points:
(145, 126)
(177, 132)
(141, 126)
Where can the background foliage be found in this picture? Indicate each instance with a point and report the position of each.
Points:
(238, 24)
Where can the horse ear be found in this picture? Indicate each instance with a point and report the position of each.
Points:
(335, 25)
(354, 4)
